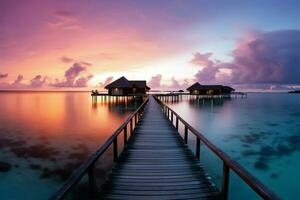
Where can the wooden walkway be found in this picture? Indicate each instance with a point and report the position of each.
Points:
(156, 164)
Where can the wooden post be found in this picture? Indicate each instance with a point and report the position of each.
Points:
(92, 182)
(225, 181)
(125, 135)
(185, 134)
(198, 149)
(115, 144)
(177, 123)
(172, 117)
(131, 128)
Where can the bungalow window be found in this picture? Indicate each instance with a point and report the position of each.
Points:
(209, 92)
(195, 92)
(117, 91)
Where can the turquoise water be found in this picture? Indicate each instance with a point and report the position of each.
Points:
(261, 132)
(44, 136)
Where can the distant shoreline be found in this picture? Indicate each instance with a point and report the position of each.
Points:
(294, 92)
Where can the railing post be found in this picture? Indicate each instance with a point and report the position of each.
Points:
(125, 135)
(172, 116)
(92, 182)
(198, 149)
(115, 144)
(168, 113)
(135, 119)
(177, 123)
(131, 128)
(185, 134)
(225, 181)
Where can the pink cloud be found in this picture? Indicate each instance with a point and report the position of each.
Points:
(106, 82)
(73, 78)
(155, 81)
(17, 84)
(3, 75)
(83, 81)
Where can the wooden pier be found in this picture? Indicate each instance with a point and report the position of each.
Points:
(156, 162)
(107, 97)
(179, 96)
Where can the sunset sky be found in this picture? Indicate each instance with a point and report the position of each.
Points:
(84, 44)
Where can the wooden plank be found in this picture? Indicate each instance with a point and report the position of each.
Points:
(156, 164)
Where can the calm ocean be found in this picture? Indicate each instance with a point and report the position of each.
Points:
(44, 136)
(261, 132)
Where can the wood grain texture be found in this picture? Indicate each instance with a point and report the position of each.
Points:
(156, 164)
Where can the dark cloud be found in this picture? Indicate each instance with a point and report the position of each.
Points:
(73, 77)
(3, 75)
(270, 59)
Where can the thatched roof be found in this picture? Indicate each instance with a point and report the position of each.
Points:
(139, 84)
(228, 88)
(119, 83)
(194, 86)
(198, 86)
(124, 83)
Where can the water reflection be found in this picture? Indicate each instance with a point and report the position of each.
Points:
(44, 136)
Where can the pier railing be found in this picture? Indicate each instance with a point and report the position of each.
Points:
(228, 163)
(88, 166)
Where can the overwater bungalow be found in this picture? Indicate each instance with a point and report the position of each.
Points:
(124, 87)
(199, 89)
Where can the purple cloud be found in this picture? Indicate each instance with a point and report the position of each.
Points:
(65, 20)
(155, 81)
(64, 13)
(83, 81)
(202, 59)
(16, 85)
(38, 81)
(18, 80)
(106, 82)
(3, 75)
(72, 78)
(210, 68)
(272, 57)
(66, 59)
(265, 58)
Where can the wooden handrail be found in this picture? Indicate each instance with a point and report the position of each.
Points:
(88, 165)
(228, 163)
